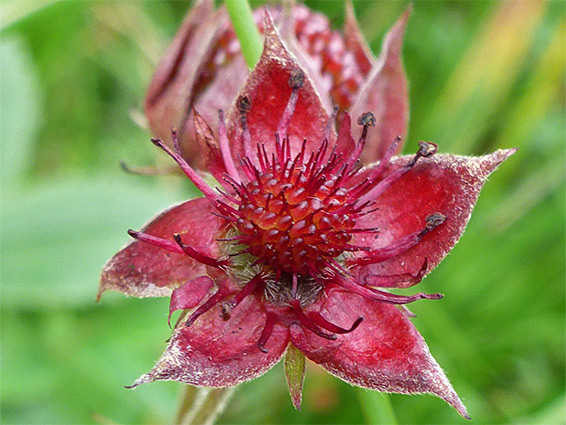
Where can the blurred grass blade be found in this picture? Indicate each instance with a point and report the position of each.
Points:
(485, 76)
(14, 11)
(376, 407)
(20, 109)
(544, 91)
(56, 237)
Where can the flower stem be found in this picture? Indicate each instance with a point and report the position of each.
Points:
(246, 30)
(201, 406)
(376, 407)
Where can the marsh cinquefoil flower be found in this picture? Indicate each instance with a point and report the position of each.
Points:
(297, 248)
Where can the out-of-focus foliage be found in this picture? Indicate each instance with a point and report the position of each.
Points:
(484, 75)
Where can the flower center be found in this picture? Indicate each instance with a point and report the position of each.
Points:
(293, 220)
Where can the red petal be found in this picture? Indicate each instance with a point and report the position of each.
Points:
(268, 90)
(446, 184)
(217, 353)
(356, 42)
(385, 94)
(143, 270)
(171, 90)
(385, 353)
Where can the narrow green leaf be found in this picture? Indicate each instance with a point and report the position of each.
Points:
(295, 374)
(250, 41)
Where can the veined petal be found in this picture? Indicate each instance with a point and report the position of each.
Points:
(445, 184)
(385, 353)
(268, 90)
(385, 93)
(144, 270)
(213, 352)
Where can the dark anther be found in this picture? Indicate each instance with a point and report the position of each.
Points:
(427, 149)
(297, 79)
(367, 119)
(244, 104)
(226, 309)
(434, 220)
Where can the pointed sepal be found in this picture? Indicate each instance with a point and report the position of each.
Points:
(172, 87)
(355, 40)
(385, 94)
(265, 95)
(145, 270)
(445, 184)
(385, 353)
(214, 352)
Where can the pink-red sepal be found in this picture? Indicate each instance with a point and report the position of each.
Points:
(345, 144)
(171, 91)
(144, 270)
(356, 42)
(385, 93)
(268, 91)
(385, 353)
(214, 352)
(445, 184)
(190, 294)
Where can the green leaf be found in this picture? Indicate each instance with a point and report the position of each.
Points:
(295, 374)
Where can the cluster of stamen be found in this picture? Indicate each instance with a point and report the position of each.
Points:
(295, 215)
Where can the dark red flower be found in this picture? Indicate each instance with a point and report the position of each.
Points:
(299, 246)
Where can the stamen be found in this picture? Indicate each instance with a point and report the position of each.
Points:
(317, 318)
(208, 304)
(267, 331)
(261, 159)
(155, 241)
(330, 122)
(245, 165)
(225, 147)
(175, 140)
(387, 297)
(367, 119)
(201, 258)
(384, 162)
(401, 245)
(244, 107)
(308, 323)
(189, 172)
(426, 149)
(250, 287)
(296, 81)
(402, 280)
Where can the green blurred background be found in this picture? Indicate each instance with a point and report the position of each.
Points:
(483, 75)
